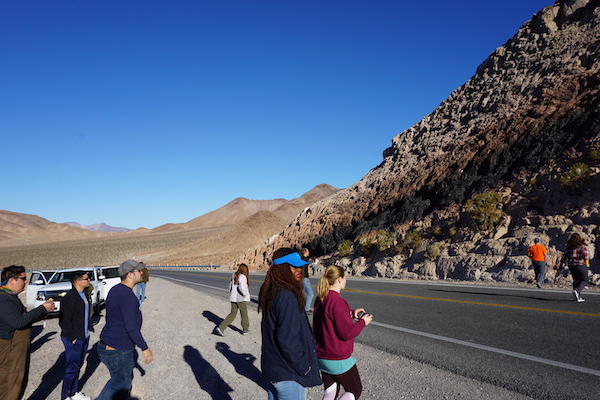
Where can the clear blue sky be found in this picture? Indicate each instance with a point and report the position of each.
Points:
(140, 113)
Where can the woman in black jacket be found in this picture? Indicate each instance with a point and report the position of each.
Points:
(288, 359)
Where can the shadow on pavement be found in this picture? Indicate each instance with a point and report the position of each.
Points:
(207, 377)
(243, 364)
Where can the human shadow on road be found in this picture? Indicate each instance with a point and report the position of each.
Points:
(207, 377)
(215, 319)
(492, 294)
(93, 360)
(40, 341)
(51, 379)
(243, 364)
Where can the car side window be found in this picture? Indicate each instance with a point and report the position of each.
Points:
(35, 277)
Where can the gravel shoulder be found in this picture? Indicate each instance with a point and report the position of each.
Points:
(191, 362)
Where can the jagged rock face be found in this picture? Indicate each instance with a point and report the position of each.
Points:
(533, 98)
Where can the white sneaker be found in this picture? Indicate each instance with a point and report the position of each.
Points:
(79, 396)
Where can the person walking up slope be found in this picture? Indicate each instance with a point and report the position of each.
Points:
(335, 331)
(239, 295)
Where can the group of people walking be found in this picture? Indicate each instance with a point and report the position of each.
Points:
(295, 355)
(118, 339)
(576, 259)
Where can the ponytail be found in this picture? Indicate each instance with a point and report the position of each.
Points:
(329, 277)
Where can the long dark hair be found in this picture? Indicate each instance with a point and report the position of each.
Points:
(279, 277)
(242, 269)
(574, 241)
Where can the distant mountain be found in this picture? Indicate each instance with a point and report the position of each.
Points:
(22, 229)
(241, 208)
(101, 227)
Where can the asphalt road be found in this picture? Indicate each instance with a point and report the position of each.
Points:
(532, 341)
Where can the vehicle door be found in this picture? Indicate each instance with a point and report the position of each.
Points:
(36, 281)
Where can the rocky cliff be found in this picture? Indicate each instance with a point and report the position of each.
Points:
(531, 111)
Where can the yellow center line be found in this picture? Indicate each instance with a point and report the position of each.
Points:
(476, 303)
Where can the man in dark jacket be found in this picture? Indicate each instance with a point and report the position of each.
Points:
(15, 332)
(73, 318)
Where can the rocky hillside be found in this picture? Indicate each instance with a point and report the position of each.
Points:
(511, 133)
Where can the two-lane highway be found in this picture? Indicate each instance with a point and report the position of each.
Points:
(533, 341)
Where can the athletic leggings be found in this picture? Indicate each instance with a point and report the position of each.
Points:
(350, 380)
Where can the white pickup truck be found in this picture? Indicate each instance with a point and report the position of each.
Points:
(41, 289)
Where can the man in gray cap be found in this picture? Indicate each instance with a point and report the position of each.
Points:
(122, 333)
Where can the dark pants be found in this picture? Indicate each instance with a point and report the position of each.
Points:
(540, 271)
(75, 355)
(120, 365)
(580, 277)
(350, 380)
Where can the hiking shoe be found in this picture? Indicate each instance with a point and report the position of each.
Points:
(218, 331)
(79, 396)
(245, 332)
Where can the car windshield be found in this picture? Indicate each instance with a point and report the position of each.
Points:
(111, 272)
(65, 276)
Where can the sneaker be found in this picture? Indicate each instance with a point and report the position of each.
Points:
(538, 285)
(218, 331)
(245, 332)
(576, 295)
(79, 396)
(580, 300)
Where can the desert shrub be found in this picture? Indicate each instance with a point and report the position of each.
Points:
(366, 244)
(432, 252)
(575, 179)
(345, 248)
(452, 231)
(437, 231)
(595, 154)
(486, 209)
(385, 240)
(412, 240)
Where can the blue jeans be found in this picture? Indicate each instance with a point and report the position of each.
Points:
(309, 293)
(140, 291)
(286, 390)
(74, 354)
(120, 365)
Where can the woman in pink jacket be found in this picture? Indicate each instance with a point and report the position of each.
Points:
(335, 329)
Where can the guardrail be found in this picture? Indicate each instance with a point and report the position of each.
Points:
(184, 267)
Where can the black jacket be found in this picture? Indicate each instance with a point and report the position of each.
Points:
(13, 315)
(72, 314)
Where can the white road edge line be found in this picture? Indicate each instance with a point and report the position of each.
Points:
(493, 349)
(450, 340)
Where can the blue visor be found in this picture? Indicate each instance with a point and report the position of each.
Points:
(293, 259)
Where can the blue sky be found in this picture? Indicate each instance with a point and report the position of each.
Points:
(140, 113)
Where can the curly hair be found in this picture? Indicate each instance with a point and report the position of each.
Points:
(279, 277)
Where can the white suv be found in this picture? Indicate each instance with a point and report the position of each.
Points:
(60, 283)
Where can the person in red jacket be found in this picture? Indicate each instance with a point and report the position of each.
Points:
(335, 329)
(537, 253)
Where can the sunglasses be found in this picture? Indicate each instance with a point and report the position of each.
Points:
(21, 277)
